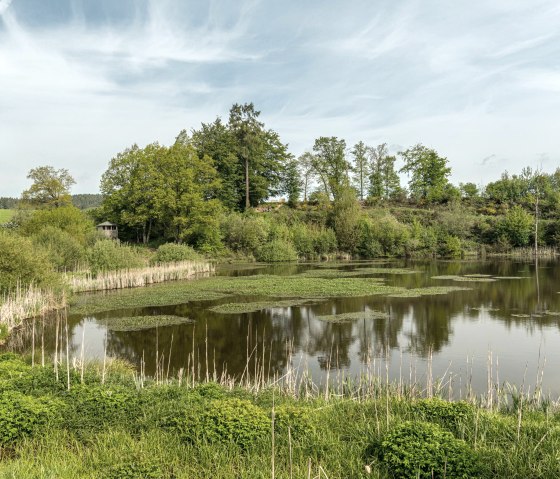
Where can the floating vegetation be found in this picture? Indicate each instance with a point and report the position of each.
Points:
(161, 295)
(349, 317)
(490, 310)
(418, 292)
(340, 264)
(466, 278)
(552, 313)
(477, 275)
(511, 277)
(519, 315)
(137, 323)
(339, 273)
(251, 307)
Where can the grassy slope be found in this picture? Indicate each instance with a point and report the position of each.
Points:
(117, 430)
(6, 215)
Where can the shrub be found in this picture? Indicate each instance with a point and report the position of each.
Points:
(245, 233)
(424, 450)
(451, 415)
(134, 469)
(93, 406)
(450, 247)
(68, 218)
(22, 263)
(22, 416)
(65, 252)
(325, 241)
(108, 255)
(516, 226)
(299, 419)
(228, 420)
(276, 251)
(173, 252)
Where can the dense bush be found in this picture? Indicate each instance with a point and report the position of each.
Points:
(21, 415)
(424, 450)
(65, 252)
(68, 218)
(173, 252)
(109, 255)
(517, 226)
(451, 415)
(276, 251)
(245, 233)
(310, 241)
(23, 263)
(228, 420)
(382, 236)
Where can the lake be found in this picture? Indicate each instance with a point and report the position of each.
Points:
(495, 320)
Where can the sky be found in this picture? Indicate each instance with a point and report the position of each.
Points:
(82, 80)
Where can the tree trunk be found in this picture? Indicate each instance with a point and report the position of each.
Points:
(247, 200)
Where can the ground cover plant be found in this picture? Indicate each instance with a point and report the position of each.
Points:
(6, 216)
(101, 422)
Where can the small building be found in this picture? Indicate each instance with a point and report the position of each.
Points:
(110, 230)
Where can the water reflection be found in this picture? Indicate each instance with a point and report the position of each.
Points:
(514, 318)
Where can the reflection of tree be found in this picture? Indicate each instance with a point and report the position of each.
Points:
(417, 325)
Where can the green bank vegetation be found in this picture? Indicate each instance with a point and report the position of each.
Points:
(105, 421)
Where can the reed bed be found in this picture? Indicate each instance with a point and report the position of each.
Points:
(529, 252)
(27, 303)
(138, 277)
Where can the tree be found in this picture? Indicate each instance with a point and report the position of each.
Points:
(330, 164)
(259, 151)
(292, 182)
(50, 188)
(216, 140)
(344, 219)
(429, 173)
(170, 191)
(361, 167)
(384, 179)
(307, 172)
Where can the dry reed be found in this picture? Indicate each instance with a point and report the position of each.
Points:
(137, 277)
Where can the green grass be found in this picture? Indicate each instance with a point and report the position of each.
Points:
(124, 429)
(6, 216)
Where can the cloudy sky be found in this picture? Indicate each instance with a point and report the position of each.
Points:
(81, 80)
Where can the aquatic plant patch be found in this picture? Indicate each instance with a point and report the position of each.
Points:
(349, 317)
(137, 323)
(466, 279)
(418, 292)
(253, 306)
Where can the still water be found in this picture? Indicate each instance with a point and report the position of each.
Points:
(512, 323)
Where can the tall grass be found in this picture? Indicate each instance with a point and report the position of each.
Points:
(27, 303)
(137, 277)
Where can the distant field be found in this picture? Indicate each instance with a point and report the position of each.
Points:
(6, 215)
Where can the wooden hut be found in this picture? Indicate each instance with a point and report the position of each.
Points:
(108, 229)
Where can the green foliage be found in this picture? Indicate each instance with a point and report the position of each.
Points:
(92, 407)
(382, 236)
(173, 252)
(384, 179)
(517, 226)
(22, 416)
(65, 252)
(245, 232)
(109, 255)
(361, 168)
(22, 263)
(69, 219)
(424, 450)
(277, 250)
(450, 247)
(450, 415)
(330, 164)
(134, 469)
(50, 188)
(292, 182)
(344, 218)
(429, 173)
(228, 420)
(300, 420)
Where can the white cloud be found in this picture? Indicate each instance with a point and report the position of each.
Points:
(470, 80)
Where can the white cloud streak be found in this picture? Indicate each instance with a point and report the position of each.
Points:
(471, 81)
